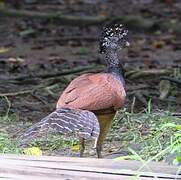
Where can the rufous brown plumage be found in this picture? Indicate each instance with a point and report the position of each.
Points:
(99, 93)
(93, 92)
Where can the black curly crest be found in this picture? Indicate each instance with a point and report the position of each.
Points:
(113, 37)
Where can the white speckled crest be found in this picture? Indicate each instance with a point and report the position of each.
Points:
(113, 37)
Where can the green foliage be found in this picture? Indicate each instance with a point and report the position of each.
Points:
(5, 115)
(158, 134)
(27, 32)
(7, 145)
(83, 51)
(149, 108)
(55, 142)
(5, 101)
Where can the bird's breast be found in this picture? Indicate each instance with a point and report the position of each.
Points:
(118, 92)
(94, 92)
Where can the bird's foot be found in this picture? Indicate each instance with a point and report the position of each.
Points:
(98, 150)
(82, 146)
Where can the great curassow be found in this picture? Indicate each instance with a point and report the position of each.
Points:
(100, 94)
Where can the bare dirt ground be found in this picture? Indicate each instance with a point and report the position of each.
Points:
(31, 48)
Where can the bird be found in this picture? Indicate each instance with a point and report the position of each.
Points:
(65, 121)
(89, 103)
(101, 93)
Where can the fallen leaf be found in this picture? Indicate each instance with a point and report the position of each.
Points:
(129, 157)
(76, 148)
(27, 32)
(164, 88)
(16, 60)
(178, 127)
(158, 43)
(33, 151)
(3, 50)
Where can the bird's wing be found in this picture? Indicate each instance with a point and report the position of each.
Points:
(65, 121)
(92, 92)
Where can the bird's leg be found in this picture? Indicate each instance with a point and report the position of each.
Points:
(82, 146)
(104, 128)
(95, 143)
(105, 124)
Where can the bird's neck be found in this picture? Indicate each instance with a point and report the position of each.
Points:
(114, 65)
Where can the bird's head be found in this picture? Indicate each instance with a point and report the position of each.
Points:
(113, 38)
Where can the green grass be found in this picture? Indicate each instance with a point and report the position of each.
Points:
(83, 51)
(51, 142)
(158, 134)
(54, 142)
(7, 145)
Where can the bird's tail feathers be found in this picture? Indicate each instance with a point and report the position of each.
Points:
(65, 121)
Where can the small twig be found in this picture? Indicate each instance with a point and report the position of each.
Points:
(39, 98)
(149, 72)
(166, 100)
(137, 87)
(16, 93)
(141, 98)
(139, 95)
(133, 104)
(69, 38)
(63, 19)
(8, 109)
(133, 21)
(48, 75)
(30, 91)
(171, 79)
(176, 114)
(48, 89)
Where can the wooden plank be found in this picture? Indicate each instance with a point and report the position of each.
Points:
(81, 167)
(69, 177)
(63, 174)
(92, 162)
(73, 167)
(63, 166)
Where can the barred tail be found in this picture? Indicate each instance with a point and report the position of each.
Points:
(65, 121)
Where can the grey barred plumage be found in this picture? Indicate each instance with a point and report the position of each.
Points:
(65, 121)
